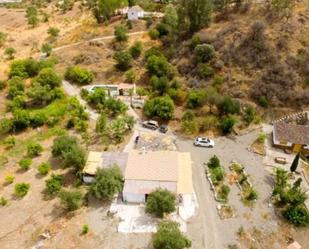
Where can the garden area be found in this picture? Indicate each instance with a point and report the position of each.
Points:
(216, 176)
(248, 194)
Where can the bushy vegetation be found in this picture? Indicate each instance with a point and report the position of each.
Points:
(34, 149)
(123, 59)
(162, 107)
(69, 150)
(168, 235)
(160, 202)
(54, 184)
(107, 183)
(44, 168)
(71, 200)
(78, 75)
(21, 189)
(25, 163)
(291, 198)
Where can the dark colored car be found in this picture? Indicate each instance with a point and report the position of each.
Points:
(163, 128)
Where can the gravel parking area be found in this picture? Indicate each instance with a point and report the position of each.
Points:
(207, 230)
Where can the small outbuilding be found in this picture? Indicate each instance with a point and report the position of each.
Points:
(135, 13)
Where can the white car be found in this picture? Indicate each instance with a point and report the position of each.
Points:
(204, 142)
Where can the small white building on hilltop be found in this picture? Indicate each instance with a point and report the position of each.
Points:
(135, 13)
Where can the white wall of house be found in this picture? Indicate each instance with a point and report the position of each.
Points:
(135, 15)
(134, 198)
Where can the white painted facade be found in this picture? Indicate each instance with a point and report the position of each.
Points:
(135, 13)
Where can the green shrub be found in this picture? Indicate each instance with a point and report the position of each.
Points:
(9, 52)
(72, 200)
(217, 174)
(188, 115)
(48, 76)
(223, 192)
(16, 87)
(2, 84)
(214, 162)
(18, 102)
(63, 144)
(229, 106)
(251, 194)
(196, 98)
(24, 68)
(25, 163)
(262, 137)
(53, 184)
(297, 215)
(162, 107)
(207, 123)
(46, 49)
(131, 76)
(250, 114)
(79, 75)
(44, 168)
(169, 236)
(38, 119)
(6, 125)
(21, 189)
(136, 49)
(107, 183)
(121, 33)
(34, 149)
(227, 124)
(53, 31)
(158, 65)
(21, 119)
(10, 142)
(3, 201)
(160, 202)
(204, 53)
(205, 71)
(9, 179)
(195, 40)
(154, 34)
(189, 127)
(263, 101)
(85, 229)
(123, 59)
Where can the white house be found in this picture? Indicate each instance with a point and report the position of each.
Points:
(147, 171)
(135, 13)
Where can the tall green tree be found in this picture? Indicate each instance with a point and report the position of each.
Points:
(194, 15)
(104, 9)
(169, 236)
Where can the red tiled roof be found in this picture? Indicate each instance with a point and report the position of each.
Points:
(293, 133)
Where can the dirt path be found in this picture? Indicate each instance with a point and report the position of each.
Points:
(97, 39)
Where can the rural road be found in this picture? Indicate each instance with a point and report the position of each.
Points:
(96, 39)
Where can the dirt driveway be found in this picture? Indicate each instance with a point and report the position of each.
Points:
(207, 230)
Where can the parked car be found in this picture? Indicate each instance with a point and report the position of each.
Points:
(163, 128)
(204, 142)
(151, 124)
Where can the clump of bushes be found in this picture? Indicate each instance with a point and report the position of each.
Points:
(71, 153)
(9, 179)
(72, 200)
(21, 189)
(25, 163)
(34, 149)
(160, 202)
(44, 168)
(162, 107)
(78, 75)
(53, 184)
(227, 124)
